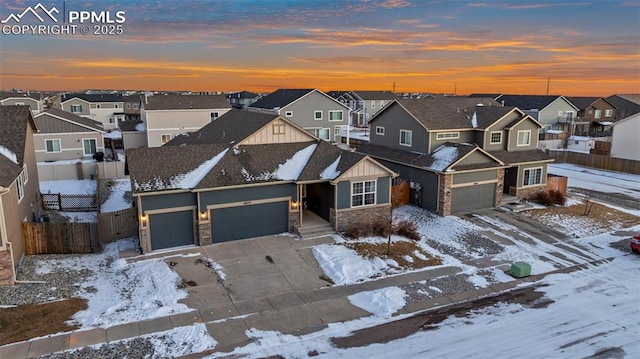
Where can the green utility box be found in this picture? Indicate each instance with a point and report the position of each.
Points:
(520, 269)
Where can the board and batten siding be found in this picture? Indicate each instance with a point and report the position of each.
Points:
(268, 135)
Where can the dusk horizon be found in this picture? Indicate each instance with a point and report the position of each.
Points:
(572, 48)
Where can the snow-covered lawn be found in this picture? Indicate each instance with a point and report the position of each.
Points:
(116, 200)
(119, 292)
(69, 187)
(598, 180)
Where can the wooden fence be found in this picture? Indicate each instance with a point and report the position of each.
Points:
(400, 194)
(60, 238)
(597, 161)
(557, 183)
(117, 225)
(69, 202)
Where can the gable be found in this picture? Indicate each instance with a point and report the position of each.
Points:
(278, 131)
(366, 167)
(506, 120)
(475, 159)
(48, 123)
(313, 98)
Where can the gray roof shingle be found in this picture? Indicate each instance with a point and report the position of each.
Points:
(185, 102)
(280, 98)
(528, 102)
(376, 95)
(71, 117)
(13, 132)
(94, 97)
(514, 157)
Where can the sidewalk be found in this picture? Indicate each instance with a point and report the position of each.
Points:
(297, 314)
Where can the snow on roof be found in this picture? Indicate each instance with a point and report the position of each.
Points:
(191, 179)
(141, 127)
(9, 154)
(474, 120)
(554, 132)
(443, 156)
(115, 134)
(264, 176)
(291, 169)
(580, 138)
(331, 171)
(606, 123)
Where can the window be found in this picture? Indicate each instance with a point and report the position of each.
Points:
(20, 186)
(448, 135)
(128, 105)
(532, 176)
(115, 105)
(165, 138)
(405, 138)
(53, 145)
(373, 104)
(380, 130)
(381, 104)
(289, 113)
(337, 131)
(608, 113)
(278, 129)
(214, 116)
(90, 146)
(76, 108)
(335, 115)
(598, 114)
(97, 105)
(496, 137)
(590, 111)
(25, 174)
(324, 134)
(524, 138)
(317, 115)
(363, 193)
(135, 106)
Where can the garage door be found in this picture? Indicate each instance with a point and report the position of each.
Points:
(467, 199)
(257, 220)
(171, 229)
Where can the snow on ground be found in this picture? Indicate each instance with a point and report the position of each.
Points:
(69, 186)
(593, 309)
(381, 302)
(117, 200)
(80, 217)
(598, 180)
(577, 227)
(120, 292)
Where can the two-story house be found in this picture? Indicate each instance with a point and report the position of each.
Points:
(363, 104)
(104, 108)
(247, 175)
(33, 100)
(459, 154)
(166, 116)
(552, 111)
(320, 114)
(242, 99)
(595, 116)
(19, 187)
(625, 104)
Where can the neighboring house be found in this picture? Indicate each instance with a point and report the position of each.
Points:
(267, 176)
(19, 188)
(553, 112)
(595, 116)
(625, 138)
(363, 104)
(104, 108)
(320, 114)
(132, 107)
(65, 136)
(626, 105)
(166, 116)
(134, 134)
(242, 99)
(34, 101)
(459, 154)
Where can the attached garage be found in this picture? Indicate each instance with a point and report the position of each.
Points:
(471, 198)
(171, 229)
(232, 223)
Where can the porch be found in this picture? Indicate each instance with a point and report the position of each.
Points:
(312, 226)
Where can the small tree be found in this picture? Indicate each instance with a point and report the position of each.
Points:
(588, 203)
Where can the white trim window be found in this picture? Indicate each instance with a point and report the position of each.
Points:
(335, 115)
(322, 133)
(532, 176)
(214, 116)
(363, 193)
(76, 108)
(380, 130)
(608, 112)
(495, 137)
(89, 146)
(25, 174)
(317, 115)
(136, 106)
(337, 131)
(164, 138)
(447, 135)
(278, 128)
(288, 114)
(405, 137)
(524, 138)
(53, 145)
(20, 186)
(598, 114)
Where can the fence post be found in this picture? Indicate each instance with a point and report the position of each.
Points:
(60, 201)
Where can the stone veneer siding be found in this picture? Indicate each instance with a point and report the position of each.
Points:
(444, 200)
(499, 188)
(145, 241)
(6, 269)
(204, 233)
(364, 215)
(294, 221)
(528, 192)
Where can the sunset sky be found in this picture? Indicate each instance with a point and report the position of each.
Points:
(584, 47)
